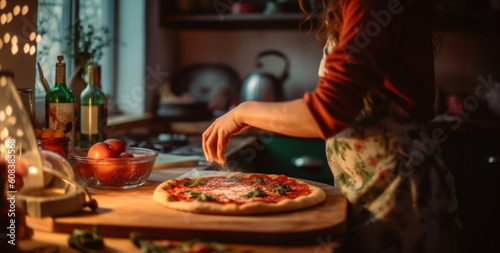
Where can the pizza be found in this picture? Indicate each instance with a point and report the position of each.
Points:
(238, 194)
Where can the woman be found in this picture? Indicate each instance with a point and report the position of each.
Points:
(374, 96)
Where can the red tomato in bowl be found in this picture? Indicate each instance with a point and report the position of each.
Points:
(101, 150)
(117, 145)
(125, 173)
(140, 169)
(125, 155)
(128, 170)
(105, 173)
(86, 170)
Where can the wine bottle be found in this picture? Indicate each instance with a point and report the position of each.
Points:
(98, 82)
(60, 105)
(92, 114)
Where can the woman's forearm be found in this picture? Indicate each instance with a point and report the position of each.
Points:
(291, 118)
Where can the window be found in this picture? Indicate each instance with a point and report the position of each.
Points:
(123, 59)
(53, 17)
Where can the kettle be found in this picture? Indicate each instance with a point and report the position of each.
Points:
(264, 86)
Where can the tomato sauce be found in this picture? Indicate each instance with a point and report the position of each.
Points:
(234, 192)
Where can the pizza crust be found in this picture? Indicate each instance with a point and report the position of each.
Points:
(161, 196)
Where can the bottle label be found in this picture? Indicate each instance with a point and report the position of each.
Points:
(89, 119)
(62, 116)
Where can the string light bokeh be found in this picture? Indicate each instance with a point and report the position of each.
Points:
(12, 39)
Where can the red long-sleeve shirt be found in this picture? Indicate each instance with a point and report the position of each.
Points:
(383, 45)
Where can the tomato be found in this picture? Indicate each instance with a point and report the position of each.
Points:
(56, 148)
(125, 173)
(105, 173)
(47, 133)
(101, 150)
(38, 133)
(86, 171)
(59, 133)
(141, 169)
(118, 145)
(125, 155)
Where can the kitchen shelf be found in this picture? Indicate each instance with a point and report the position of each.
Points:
(237, 21)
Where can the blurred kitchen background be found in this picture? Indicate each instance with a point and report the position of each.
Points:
(149, 42)
(154, 39)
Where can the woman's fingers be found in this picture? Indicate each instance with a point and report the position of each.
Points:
(214, 143)
(209, 145)
(216, 137)
(222, 143)
(204, 142)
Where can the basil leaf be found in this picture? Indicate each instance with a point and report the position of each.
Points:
(199, 196)
(192, 194)
(258, 180)
(282, 189)
(257, 192)
(205, 197)
(195, 183)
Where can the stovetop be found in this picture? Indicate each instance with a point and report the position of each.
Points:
(172, 143)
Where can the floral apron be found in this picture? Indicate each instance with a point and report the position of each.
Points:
(402, 197)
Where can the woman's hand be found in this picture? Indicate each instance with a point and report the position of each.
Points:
(290, 118)
(217, 136)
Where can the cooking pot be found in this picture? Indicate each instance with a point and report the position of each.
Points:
(264, 86)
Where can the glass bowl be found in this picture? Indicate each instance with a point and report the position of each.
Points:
(115, 173)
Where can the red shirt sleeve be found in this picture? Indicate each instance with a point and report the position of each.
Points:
(382, 45)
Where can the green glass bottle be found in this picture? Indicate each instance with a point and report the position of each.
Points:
(60, 105)
(92, 114)
(98, 82)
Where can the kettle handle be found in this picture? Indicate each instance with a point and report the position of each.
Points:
(284, 75)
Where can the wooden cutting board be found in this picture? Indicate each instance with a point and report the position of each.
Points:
(166, 161)
(121, 212)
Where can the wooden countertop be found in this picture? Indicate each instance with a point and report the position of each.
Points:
(42, 237)
(119, 245)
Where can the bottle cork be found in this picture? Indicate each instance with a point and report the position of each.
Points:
(60, 70)
(92, 74)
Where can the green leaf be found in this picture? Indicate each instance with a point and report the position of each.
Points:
(194, 184)
(282, 189)
(199, 196)
(258, 180)
(205, 197)
(86, 241)
(257, 192)
(192, 194)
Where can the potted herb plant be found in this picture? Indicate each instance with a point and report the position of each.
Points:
(85, 44)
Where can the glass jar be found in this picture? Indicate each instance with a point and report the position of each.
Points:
(27, 98)
(56, 145)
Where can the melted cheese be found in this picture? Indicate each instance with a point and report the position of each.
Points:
(235, 193)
